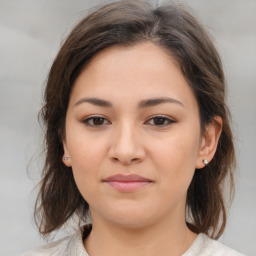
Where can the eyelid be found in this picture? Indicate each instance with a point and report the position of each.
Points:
(85, 120)
(169, 119)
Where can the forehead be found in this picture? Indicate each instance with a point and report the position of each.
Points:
(135, 72)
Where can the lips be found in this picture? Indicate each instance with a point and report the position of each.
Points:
(127, 183)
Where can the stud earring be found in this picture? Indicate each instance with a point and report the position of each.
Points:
(205, 161)
(65, 158)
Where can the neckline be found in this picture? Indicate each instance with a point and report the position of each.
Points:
(194, 248)
(197, 245)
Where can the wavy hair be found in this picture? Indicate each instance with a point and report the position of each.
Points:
(174, 28)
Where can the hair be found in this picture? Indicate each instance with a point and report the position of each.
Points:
(176, 30)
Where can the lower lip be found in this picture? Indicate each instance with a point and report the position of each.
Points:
(128, 186)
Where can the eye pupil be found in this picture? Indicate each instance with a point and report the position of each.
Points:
(159, 120)
(97, 120)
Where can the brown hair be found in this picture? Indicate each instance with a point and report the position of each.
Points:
(127, 23)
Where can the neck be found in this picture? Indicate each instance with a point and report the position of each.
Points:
(158, 239)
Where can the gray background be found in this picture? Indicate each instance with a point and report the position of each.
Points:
(30, 35)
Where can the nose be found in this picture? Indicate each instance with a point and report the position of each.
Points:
(126, 146)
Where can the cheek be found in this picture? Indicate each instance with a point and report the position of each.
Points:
(178, 148)
(83, 148)
(85, 154)
(84, 159)
(175, 158)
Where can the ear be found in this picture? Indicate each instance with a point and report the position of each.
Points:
(209, 142)
(66, 155)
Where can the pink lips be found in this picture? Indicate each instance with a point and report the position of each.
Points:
(127, 183)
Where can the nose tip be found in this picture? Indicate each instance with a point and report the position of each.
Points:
(128, 156)
(126, 147)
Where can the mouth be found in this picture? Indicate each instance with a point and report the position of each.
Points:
(127, 183)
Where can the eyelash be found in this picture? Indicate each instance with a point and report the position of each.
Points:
(86, 121)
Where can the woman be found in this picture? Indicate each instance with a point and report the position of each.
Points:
(138, 140)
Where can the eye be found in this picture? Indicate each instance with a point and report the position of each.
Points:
(94, 121)
(161, 121)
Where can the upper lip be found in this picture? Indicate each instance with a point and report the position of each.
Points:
(127, 178)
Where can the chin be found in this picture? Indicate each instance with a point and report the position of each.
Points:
(132, 217)
(131, 223)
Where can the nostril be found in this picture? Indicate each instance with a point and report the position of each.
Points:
(115, 159)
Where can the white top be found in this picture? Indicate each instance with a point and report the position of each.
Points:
(73, 246)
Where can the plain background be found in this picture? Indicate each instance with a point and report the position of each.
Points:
(30, 35)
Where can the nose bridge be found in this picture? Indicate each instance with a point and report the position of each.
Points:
(126, 145)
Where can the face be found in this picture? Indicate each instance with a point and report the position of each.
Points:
(133, 136)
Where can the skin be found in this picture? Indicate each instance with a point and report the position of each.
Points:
(150, 220)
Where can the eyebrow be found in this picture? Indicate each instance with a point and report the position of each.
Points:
(141, 104)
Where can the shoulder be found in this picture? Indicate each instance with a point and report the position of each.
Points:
(54, 248)
(205, 246)
(67, 246)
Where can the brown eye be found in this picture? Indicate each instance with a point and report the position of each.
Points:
(94, 121)
(161, 121)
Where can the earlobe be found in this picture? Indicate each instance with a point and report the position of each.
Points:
(66, 159)
(209, 142)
